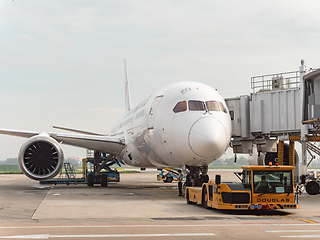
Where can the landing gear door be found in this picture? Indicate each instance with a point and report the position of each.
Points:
(153, 110)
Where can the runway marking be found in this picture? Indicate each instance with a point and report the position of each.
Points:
(163, 225)
(115, 197)
(302, 236)
(47, 236)
(278, 231)
(296, 231)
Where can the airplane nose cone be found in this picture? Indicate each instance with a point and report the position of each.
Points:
(207, 137)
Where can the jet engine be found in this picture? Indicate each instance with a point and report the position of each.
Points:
(41, 157)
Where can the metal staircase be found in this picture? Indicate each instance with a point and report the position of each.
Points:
(313, 147)
(67, 174)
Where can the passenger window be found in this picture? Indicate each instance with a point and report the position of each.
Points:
(222, 108)
(180, 107)
(212, 106)
(196, 105)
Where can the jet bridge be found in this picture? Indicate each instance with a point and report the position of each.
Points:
(278, 111)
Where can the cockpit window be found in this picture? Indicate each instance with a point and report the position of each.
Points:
(180, 107)
(196, 105)
(212, 106)
(222, 108)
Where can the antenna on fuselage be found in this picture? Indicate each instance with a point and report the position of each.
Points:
(127, 90)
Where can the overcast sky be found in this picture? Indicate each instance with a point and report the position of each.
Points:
(61, 62)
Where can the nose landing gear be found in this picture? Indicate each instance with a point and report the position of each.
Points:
(197, 176)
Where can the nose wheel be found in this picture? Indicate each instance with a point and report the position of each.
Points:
(197, 176)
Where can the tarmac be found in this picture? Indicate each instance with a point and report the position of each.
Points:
(139, 207)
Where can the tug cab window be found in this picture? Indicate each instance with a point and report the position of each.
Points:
(196, 105)
(246, 179)
(180, 107)
(222, 108)
(212, 106)
(272, 181)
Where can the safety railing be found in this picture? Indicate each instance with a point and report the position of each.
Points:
(275, 82)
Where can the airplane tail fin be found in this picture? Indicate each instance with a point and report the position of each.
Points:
(127, 90)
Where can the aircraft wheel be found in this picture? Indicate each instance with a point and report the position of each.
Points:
(198, 182)
(312, 188)
(90, 180)
(204, 178)
(104, 180)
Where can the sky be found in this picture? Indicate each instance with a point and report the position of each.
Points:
(61, 62)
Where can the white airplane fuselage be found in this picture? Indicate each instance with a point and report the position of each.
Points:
(184, 123)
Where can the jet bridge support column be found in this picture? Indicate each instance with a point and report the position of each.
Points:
(280, 152)
(304, 129)
(291, 153)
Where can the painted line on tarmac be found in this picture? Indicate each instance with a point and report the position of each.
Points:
(300, 219)
(163, 225)
(47, 236)
(302, 236)
(294, 231)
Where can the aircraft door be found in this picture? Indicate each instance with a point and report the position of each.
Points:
(152, 111)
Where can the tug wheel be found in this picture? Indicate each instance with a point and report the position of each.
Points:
(169, 179)
(204, 201)
(312, 188)
(187, 197)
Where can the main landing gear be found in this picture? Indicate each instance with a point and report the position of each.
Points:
(102, 161)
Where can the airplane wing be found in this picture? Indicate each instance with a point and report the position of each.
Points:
(78, 131)
(105, 144)
(102, 143)
(18, 133)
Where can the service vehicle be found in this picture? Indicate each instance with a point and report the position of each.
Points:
(168, 175)
(261, 187)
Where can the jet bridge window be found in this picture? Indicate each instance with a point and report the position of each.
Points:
(212, 106)
(222, 108)
(180, 107)
(196, 105)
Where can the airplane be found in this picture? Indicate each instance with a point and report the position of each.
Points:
(183, 125)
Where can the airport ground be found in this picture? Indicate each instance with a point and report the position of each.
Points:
(139, 207)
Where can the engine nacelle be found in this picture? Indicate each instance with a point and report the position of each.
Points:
(41, 157)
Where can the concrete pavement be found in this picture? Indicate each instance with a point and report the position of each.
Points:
(138, 207)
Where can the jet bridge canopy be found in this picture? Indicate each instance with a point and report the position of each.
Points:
(274, 106)
(282, 107)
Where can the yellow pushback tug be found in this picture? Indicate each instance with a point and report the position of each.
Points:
(261, 187)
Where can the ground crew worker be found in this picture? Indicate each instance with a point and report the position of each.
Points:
(180, 177)
(263, 185)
